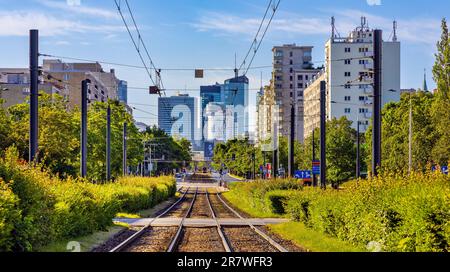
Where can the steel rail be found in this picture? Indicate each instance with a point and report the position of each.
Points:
(175, 239)
(133, 237)
(219, 227)
(262, 234)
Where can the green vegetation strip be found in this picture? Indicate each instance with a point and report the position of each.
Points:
(312, 240)
(393, 212)
(37, 208)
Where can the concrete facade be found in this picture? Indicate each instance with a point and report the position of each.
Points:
(292, 69)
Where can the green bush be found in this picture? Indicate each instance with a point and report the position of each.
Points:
(276, 200)
(9, 216)
(36, 208)
(251, 196)
(399, 213)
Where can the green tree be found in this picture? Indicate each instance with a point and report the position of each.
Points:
(97, 140)
(5, 128)
(441, 105)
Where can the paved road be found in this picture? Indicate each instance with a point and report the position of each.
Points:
(226, 178)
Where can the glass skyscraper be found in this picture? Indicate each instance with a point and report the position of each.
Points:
(232, 96)
(177, 116)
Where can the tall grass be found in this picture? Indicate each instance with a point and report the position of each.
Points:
(37, 208)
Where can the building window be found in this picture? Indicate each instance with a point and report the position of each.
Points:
(291, 86)
(347, 50)
(347, 61)
(300, 77)
(66, 77)
(362, 98)
(347, 98)
(291, 70)
(300, 93)
(291, 54)
(278, 53)
(348, 74)
(347, 86)
(291, 94)
(300, 85)
(306, 77)
(347, 110)
(306, 85)
(291, 62)
(362, 110)
(291, 78)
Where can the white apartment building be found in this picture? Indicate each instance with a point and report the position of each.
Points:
(347, 61)
(292, 69)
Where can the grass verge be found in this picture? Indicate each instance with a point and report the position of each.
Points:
(86, 242)
(312, 240)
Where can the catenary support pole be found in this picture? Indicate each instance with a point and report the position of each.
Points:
(313, 158)
(124, 163)
(291, 166)
(376, 133)
(108, 143)
(358, 167)
(323, 162)
(34, 103)
(83, 140)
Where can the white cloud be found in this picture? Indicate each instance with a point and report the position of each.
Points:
(416, 30)
(62, 43)
(374, 2)
(18, 23)
(80, 9)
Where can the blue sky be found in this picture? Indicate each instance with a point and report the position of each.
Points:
(208, 34)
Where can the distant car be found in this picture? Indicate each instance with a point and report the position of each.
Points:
(178, 175)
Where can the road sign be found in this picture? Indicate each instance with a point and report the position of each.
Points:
(303, 174)
(444, 169)
(316, 167)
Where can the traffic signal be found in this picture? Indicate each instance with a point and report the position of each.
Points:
(154, 90)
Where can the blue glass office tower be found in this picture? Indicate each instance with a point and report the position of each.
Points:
(177, 116)
(123, 91)
(233, 95)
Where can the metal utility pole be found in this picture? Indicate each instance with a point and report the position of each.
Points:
(323, 162)
(254, 164)
(410, 136)
(275, 163)
(291, 143)
(34, 103)
(84, 106)
(376, 133)
(124, 166)
(358, 167)
(313, 158)
(108, 143)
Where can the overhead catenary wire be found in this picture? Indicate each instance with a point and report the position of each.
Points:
(227, 69)
(254, 41)
(262, 38)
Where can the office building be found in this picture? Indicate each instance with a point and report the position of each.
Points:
(15, 86)
(103, 86)
(349, 77)
(178, 117)
(292, 69)
(227, 105)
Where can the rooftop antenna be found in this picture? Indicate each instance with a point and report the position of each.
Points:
(236, 71)
(333, 35)
(394, 38)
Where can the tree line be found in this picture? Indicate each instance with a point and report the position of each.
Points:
(59, 138)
